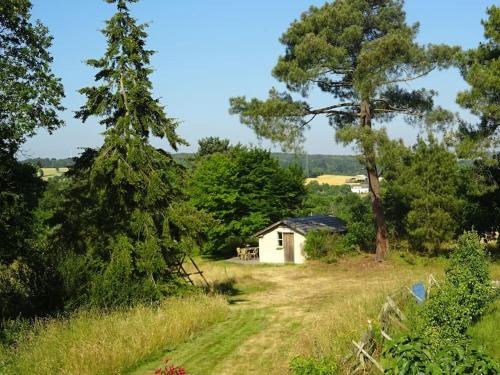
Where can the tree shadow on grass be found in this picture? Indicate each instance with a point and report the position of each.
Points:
(228, 288)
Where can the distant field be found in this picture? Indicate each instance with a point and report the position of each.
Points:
(53, 172)
(330, 179)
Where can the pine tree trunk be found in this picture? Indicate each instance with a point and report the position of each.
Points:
(374, 184)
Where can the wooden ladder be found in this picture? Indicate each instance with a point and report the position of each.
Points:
(186, 275)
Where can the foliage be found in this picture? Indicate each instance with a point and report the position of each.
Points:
(30, 97)
(30, 94)
(421, 193)
(324, 245)
(28, 279)
(211, 145)
(465, 294)
(312, 366)
(480, 67)
(322, 199)
(49, 162)
(480, 191)
(244, 190)
(124, 224)
(417, 355)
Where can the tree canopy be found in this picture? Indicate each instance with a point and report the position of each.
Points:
(30, 94)
(244, 190)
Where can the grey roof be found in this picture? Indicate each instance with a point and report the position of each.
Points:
(305, 224)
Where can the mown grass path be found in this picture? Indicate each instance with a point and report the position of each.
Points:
(279, 312)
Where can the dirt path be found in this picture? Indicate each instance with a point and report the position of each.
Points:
(284, 311)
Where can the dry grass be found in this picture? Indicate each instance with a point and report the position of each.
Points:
(312, 309)
(330, 179)
(99, 343)
(53, 172)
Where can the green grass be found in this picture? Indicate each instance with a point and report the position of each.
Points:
(486, 332)
(108, 343)
(205, 352)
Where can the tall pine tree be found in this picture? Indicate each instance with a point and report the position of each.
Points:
(125, 219)
(360, 53)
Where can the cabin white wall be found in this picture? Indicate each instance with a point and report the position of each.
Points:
(269, 252)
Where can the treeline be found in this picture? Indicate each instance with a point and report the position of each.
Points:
(312, 165)
(50, 162)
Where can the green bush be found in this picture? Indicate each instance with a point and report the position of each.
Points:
(324, 245)
(465, 294)
(312, 366)
(418, 355)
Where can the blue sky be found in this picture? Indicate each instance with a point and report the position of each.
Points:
(210, 50)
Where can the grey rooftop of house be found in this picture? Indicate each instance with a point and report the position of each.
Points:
(305, 224)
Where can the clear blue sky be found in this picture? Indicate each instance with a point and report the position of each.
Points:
(210, 50)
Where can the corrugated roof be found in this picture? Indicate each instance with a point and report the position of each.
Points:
(305, 224)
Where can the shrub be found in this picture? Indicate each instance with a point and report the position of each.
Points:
(324, 245)
(312, 366)
(418, 355)
(465, 294)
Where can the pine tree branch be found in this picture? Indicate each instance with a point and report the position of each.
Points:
(331, 108)
(409, 78)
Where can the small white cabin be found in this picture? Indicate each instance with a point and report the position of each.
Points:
(283, 241)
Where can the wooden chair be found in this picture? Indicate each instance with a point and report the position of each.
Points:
(241, 253)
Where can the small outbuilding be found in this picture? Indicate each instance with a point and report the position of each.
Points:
(283, 241)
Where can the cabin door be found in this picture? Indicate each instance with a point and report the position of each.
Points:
(288, 247)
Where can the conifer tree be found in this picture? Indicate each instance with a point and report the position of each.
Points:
(360, 53)
(125, 215)
(480, 67)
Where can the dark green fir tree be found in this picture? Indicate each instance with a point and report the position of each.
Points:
(125, 219)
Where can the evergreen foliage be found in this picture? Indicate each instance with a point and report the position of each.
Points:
(480, 67)
(124, 224)
(421, 193)
(480, 190)
(360, 53)
(244, 190)
(211, 145)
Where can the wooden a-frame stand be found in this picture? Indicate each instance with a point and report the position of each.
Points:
(187, 275)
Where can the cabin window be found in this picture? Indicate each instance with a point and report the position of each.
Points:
(280, 239)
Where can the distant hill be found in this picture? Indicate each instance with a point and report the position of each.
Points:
(312, 165)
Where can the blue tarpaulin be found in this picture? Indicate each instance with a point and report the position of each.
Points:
(418, 291)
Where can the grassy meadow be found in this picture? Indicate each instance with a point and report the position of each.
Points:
(264, 316)
(109, 343)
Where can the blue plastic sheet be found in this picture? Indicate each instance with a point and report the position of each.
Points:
(418, 291)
